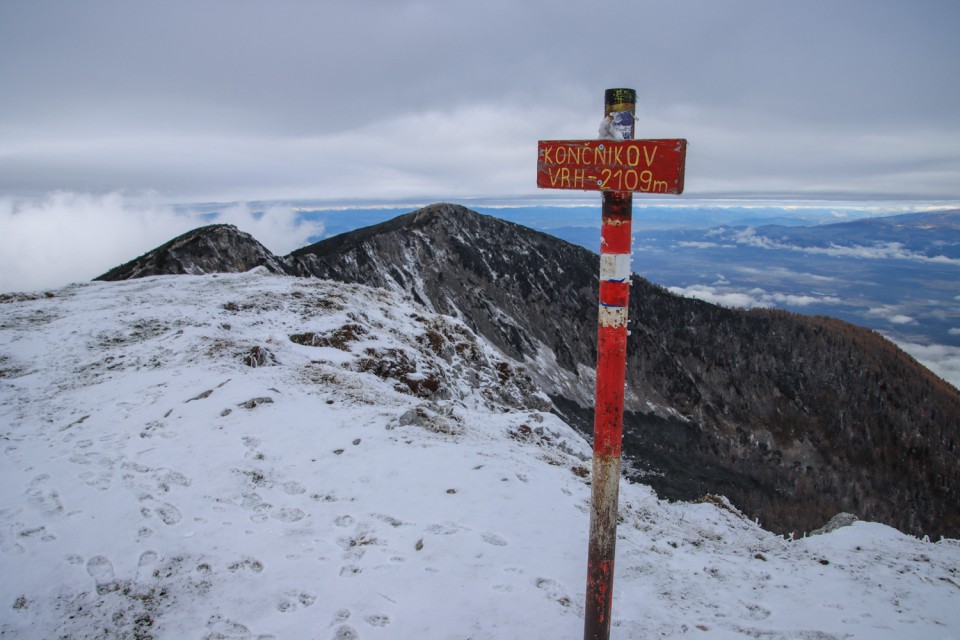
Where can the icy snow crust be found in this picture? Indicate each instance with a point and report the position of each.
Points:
(175, 466)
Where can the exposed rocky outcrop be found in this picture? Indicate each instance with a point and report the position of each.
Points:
(793, 418)
(218, 248)
(532, 295)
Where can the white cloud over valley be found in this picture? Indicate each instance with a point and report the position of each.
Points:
(943, 360)
(731, 296)
(878, 251)
(68, 237)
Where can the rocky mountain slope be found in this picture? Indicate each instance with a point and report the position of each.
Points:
(793, 418)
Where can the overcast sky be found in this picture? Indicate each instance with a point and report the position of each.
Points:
(396, 99)
(106, 103)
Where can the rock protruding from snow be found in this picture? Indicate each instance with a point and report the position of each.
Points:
(836, 522)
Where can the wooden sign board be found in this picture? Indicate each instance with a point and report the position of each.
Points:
(645, 166)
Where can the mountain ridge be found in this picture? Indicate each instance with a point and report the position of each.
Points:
(793, 418)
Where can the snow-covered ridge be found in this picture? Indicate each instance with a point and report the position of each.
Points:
(700, 377)
(254, 456)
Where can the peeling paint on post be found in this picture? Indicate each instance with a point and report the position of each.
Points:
(617, 165)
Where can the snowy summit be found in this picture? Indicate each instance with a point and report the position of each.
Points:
(260, 456)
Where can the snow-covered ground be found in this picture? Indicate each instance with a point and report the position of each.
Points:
(386, 474)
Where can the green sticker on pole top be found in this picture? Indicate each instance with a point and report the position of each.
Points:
(619, 96)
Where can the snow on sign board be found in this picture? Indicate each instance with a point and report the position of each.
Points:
(645, 166)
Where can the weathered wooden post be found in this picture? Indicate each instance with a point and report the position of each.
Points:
(617, 165)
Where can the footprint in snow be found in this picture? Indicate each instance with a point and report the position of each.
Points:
(40, 533)
(287, 514)
(293, 488)
(377, 620)
(9, 546)
(145, 565)
(756, 612)
(168, 513)
(445, 529)
(94, 458)
(224, 628)
(100, 481)
(101, 570)
(393, 522)
(13, 452)
(494, 539)
(43, 498)
(289, 600)
(251, 563)
(166, 478)
(554, 591)
(345, 632)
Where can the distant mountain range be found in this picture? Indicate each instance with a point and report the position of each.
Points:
(931, 235)
(899, 275)
(794, 418)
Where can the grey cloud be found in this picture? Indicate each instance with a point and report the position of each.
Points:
(221, 98)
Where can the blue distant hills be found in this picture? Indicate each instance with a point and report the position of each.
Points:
(899, 275)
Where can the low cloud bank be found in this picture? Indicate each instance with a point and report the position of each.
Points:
(878, 251)
(749, 299)
(68, 237)
(943, 360)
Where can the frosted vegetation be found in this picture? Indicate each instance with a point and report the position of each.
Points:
(253, 456)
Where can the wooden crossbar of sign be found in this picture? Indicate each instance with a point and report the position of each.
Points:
(645, 166)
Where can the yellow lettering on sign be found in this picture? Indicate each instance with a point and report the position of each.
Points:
(579, 178)
(649, 156)
(616, 155)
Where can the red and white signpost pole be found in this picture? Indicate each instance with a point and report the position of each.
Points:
(617, 165)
